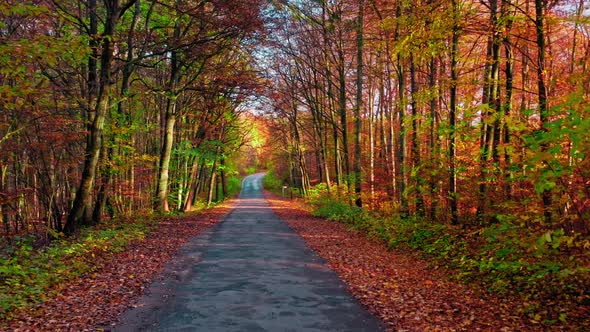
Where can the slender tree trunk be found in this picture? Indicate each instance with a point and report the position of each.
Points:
(342, 113)
(452, 118)
(330, 98)
(102, 195)
(543, 99)
(212, 182)
(415, 148)
(401, 151)
(371, 125)
(3, 206)
(358, 105)
(432, 144)
(490, 131)
(509, 72)
(579, 14)
(161, 202)
(224, 192)
(188, 201)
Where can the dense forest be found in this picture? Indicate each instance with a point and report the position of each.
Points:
(116, 107)
(457, 128)
(459, 111)
(460, 127)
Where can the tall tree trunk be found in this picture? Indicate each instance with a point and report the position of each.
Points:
(491, 99)
(415, 148)
(372, 127)
(579, 14)
(3, 206)
(546, 195)
(330, 95)
(452, 118)
(432, 142)
(358, 105)
(342, 113)
(212, 182)
(102, 194)
(82, 207)
(107, 154)
(401, 150)
(509, 73)
(224, 192)
(401, 104)
(161, 201)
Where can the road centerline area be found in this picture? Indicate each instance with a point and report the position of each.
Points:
(249, 273)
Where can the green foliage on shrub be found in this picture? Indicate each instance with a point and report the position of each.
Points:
(272, 182)
(234, 185)
(503, 257)
(29, 274)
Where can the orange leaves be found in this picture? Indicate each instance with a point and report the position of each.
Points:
(98, 297)
(402, 290)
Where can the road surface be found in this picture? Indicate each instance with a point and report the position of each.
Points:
(251, 272)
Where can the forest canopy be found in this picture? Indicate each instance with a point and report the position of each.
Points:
(116, 107)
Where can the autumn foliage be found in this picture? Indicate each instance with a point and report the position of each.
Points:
(455, 128)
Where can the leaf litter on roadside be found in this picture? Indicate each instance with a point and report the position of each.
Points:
(96, 299)
(399, 287)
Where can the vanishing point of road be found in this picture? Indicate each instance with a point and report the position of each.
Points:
(250, 272)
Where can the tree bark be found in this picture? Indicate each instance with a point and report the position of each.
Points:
(161, 201)
(358, 105)
(452, 117)
(415, 148)
(81, 212)
(546, 195)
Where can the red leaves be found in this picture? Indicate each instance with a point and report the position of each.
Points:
(397, 286)
(97, 298)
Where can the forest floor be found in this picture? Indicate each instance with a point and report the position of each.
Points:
(398, 286)
(403, 290)
(95, 300)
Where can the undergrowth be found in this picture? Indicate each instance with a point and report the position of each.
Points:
(29, 274)
(272, 182)
(540, 268)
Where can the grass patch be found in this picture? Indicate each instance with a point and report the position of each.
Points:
(30, 275)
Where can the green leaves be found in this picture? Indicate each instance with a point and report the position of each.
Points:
(30, 274)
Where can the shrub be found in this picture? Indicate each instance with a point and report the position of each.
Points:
(272, 182)
(30, 275)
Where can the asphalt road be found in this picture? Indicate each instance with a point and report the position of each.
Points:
(251, 272)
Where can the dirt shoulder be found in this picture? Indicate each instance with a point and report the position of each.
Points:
(95, 300)
(399, 287)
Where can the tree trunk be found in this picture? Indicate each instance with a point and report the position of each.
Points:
(415, 148)
(161, 201)
(491, 99)
(3, 206)
(165, 156)
(432, 141)
(224, 192)
(401, 149)
(342, 113)
(82, 207)
(212, 182)
(452, 119)
(546, 195)
(509, 73)
(193, 182)
(358, 105)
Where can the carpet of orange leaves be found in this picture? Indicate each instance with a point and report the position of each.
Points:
(399, 287)
(95, 300)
